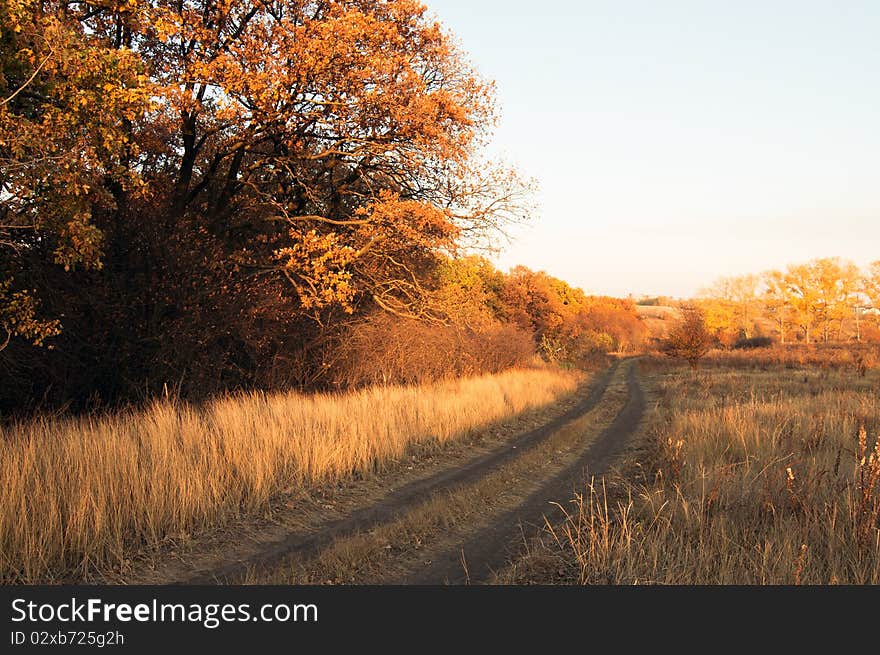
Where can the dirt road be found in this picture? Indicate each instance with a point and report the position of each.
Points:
(399, 501)
(490, 549)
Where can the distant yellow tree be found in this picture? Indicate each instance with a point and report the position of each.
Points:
(871, 284)
(870, 290)
(731, 306)
(776, 302)
(720, 318)
(848, 297)
(818, 298)
(802, 293)
(835, 287)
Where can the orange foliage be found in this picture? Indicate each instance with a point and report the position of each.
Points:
(823, 300)
(221, 193)
(569, 324)
(691, 338)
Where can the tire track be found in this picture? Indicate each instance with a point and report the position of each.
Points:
(400, 500)
(489, 549)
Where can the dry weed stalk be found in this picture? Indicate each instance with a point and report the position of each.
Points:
(867, 506)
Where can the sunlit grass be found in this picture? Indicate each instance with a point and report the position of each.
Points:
(751, 478)
(82, 495)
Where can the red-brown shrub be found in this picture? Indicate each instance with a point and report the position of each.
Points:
(385, 349)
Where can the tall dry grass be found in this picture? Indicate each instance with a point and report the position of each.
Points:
(752, 478)
(858, 358)
(82, 495)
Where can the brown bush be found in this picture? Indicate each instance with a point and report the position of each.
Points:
(385, 349)
(690, 339)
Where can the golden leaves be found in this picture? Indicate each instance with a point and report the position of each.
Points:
(316, 266)
(409, 221)
(18, 316)
(80, 242)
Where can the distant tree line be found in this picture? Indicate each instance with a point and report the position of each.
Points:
(486, 320)
(824, 300)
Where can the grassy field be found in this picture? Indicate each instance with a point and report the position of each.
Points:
(748, 477)
(83, 495)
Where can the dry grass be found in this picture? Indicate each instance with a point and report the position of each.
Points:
(753, 478)
(658, 319)
(857, 358)
(78, 496)
(393, 552)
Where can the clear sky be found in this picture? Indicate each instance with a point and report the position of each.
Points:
(678, 141)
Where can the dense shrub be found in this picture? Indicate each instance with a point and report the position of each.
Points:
(385, 349)
(754, 342)
(690, 339)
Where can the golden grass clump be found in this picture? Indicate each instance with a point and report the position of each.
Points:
(83, 495)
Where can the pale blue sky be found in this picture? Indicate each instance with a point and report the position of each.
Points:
(678, 141)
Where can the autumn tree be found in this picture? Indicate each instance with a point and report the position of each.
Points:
(535, 302)
(229, 181)
(617, 319)
(467, 293)
(848, 298)
(329, 143)
(867, 306)
(835, 285)
(821, 294)
(569, 325)
(802, 292)
(690, 339)
(871, 284)
(817, 298)
(731, 307)
(776, 302)
(67, 101)
(720, 319)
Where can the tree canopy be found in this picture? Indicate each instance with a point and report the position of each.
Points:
(232, 173)
(821, 300)
(216, 194)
